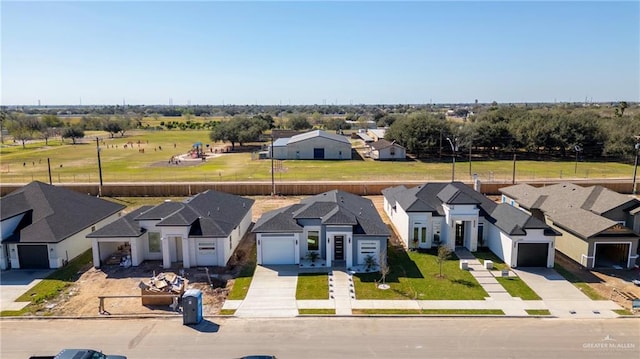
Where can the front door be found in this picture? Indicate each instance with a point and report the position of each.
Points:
(338, 248)
(459, 234)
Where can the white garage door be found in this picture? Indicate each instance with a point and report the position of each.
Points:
(206, 253)
(367, 248)
(278, 250)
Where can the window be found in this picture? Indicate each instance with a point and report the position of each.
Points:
(423, 239)
(155, 246)
(313, 240)
(392, 151)
(481, 234)
(206, 248)
(436, 233)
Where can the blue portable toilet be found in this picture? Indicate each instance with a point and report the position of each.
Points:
(192, 307)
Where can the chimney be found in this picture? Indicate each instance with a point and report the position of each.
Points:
(476, 182)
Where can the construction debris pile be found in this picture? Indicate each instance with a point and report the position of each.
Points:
(161, 289)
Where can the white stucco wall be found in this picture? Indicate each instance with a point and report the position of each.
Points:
(76, 244)
(332, 149)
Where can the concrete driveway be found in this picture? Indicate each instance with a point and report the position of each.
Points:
(272, 293)
(14, 283)
(561, 297)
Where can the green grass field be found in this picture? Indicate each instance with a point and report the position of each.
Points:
(78, 163)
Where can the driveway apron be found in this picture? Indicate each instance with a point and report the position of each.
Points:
(561, 297)
(272, 293)
(16, 282)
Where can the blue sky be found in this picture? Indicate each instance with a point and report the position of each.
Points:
(318, 52)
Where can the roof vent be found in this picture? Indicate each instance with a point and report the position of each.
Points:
(208, 213)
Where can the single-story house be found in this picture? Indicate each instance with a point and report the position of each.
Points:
(377, 134)
(384, 150)
(203, 230)
(599, 227)
(342, 229)
(44, 226)
(455, 215)
(314, 145)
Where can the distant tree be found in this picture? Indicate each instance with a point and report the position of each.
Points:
(238, 130)
(299, 122)
(419, 132)
(24, 128)
(73, 133)
(622, 105)
(112, 126)
(51, 120)
(335, 124)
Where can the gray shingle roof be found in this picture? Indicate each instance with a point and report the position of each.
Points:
(382, 144)
(333, 207)
(125, 227)
(575, 208)
(431, 196)
(53, 213)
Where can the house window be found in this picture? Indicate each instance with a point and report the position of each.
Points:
(392, 151)
(423, 239)
(481, 234)
(155, 245)
(93, 228)
(436, 232)
(313, 240)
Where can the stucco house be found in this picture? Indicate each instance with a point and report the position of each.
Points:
(383, 150)
(342, 228)
(44, 226)
(455, 215)
(314, 145)
(599, 227)
(204, 230)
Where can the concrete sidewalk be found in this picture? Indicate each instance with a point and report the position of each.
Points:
(273, 289)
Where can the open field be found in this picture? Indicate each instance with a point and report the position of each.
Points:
(78, 164)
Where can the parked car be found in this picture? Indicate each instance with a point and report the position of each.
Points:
(79, 354)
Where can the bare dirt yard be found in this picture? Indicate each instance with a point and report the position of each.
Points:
(81, 298)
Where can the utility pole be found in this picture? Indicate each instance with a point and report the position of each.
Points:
(49, 166)
(273, 182)
(635, 169)
(453, 158)
(513, 175)
(99, 167)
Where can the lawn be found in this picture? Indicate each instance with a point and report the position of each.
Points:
(316, 311)
(55, 283)
(312, 286)
(579, 283)
(429, 311)
(485, 254)
(78, 163)
(243, 281)
(516, 287)
(538, 311)
(414, 275)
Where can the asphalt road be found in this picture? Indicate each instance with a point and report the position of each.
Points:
(328, 337)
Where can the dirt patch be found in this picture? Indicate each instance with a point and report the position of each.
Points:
(81, 298)
(611, 284)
